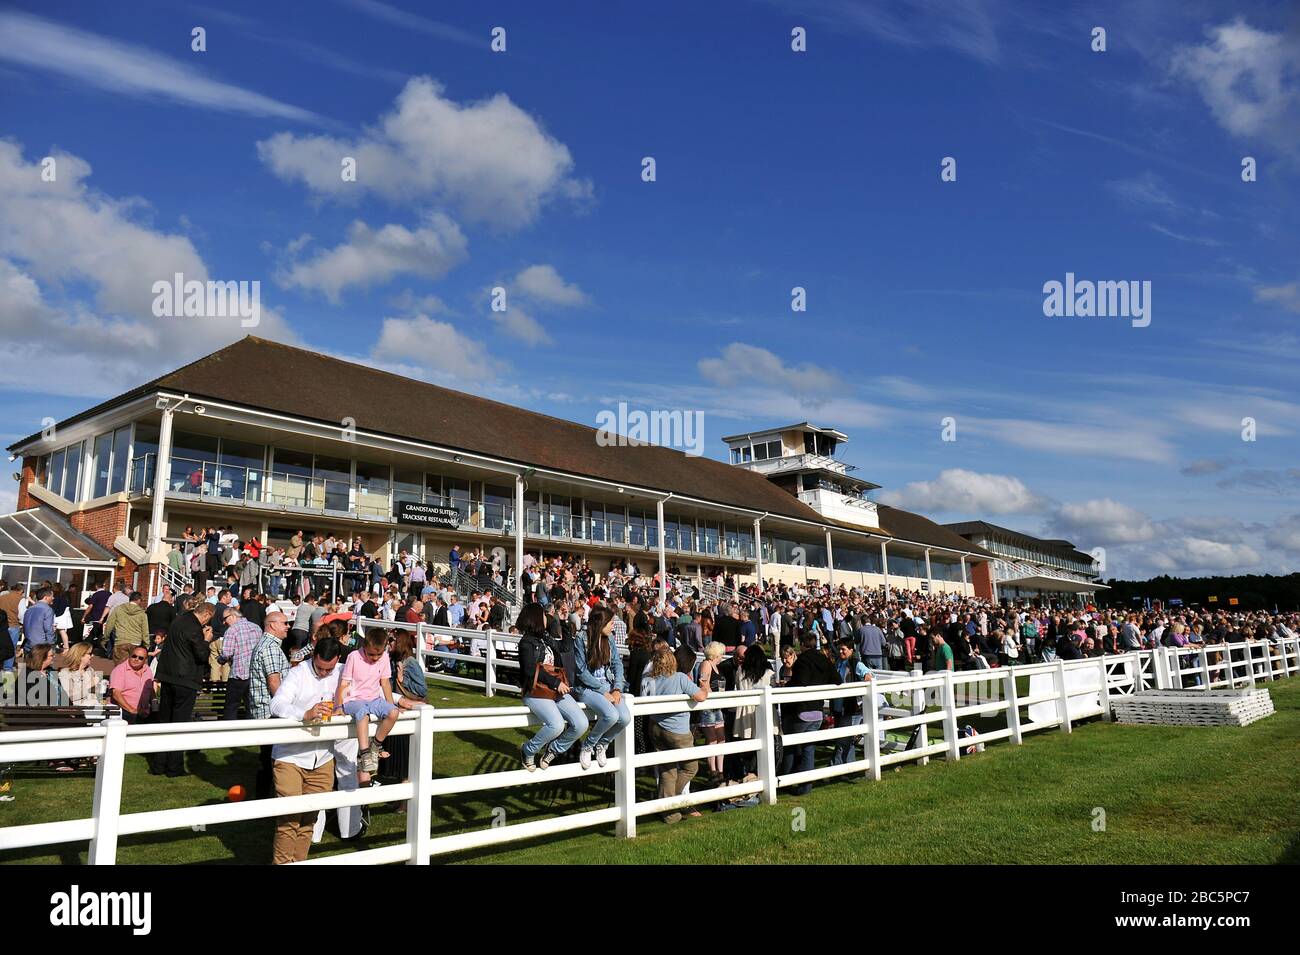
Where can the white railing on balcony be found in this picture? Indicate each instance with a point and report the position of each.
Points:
(1060, 694)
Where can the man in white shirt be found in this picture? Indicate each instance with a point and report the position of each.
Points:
(307, 693)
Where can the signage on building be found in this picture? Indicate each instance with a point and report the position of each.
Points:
(428, 515)
(1214, 600)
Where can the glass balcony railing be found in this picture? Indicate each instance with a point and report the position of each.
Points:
(234, 484)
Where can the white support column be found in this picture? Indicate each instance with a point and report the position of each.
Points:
(107, 805)
(830, 560)
(663, 555)
(519, 539)
(884, 566)
(758, 551)
(162, 472)
(419, 811)
(964, 581)
(490, 667)
(929, 577)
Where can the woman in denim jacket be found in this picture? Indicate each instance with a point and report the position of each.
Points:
(600, 685)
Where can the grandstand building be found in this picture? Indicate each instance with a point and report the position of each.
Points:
(1030, 568)
(272, 440)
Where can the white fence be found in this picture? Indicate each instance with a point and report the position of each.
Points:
(1069, 691)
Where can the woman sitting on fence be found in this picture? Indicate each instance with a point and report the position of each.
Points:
(600, 685)
(671, 731)
(548, 671)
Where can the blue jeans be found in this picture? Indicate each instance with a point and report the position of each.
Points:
(561, 718)
(874, 661)
(610, 719)
(13, 636)
(844, 749)
(800, 757)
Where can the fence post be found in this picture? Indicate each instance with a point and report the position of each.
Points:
(1063, 698)
(1250, 661)
(1103, 693)
(765, 728)
(1013, 706)
(873, 729)
(1268, 660)
(625, 776)
(107, 805)
(1205, 667)
(918, 707)
(950, 716)
(490, 668)
(419, 811)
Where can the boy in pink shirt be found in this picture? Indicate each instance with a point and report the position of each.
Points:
(365, 690)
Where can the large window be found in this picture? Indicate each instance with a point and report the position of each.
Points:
(559, 512)
(859, 561)
(64, 474)
(498, 507)
(111, 451)
(372, 489)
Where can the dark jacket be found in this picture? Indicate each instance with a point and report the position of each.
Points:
(532, 651)
(160, 614)
(184, 657)
(726, 630)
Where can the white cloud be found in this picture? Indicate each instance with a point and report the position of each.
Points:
(1104, 521)
(956, 490)
(1075, 439)
(1144, 189)
(967, 28)
(76, 265)
(408, 302)
(124, 68)
(742, 365)
(490, 160)
(1249, 78)
(1196, 555)
(1287, 296)
(518, 324)
(372, 256)
(543, 283)
(429, 345)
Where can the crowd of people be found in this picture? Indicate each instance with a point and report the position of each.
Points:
(587, 641)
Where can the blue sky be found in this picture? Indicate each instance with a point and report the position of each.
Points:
(522, 169)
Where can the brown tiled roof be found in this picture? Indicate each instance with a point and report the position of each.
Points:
(270, 376)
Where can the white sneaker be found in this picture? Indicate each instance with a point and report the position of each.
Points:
(584, 757)
(600, 756)
(547, 758)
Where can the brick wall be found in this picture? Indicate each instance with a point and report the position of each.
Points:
(103, 524)
(25, 500)
(982, 577)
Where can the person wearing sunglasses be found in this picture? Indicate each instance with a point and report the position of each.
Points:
(131, 685)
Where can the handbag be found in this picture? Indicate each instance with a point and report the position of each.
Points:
(540, 691)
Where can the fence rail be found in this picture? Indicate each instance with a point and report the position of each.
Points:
(1062, 692)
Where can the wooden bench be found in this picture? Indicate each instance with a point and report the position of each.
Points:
(211, 700)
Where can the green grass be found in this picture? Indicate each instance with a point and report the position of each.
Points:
(1170, 794)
